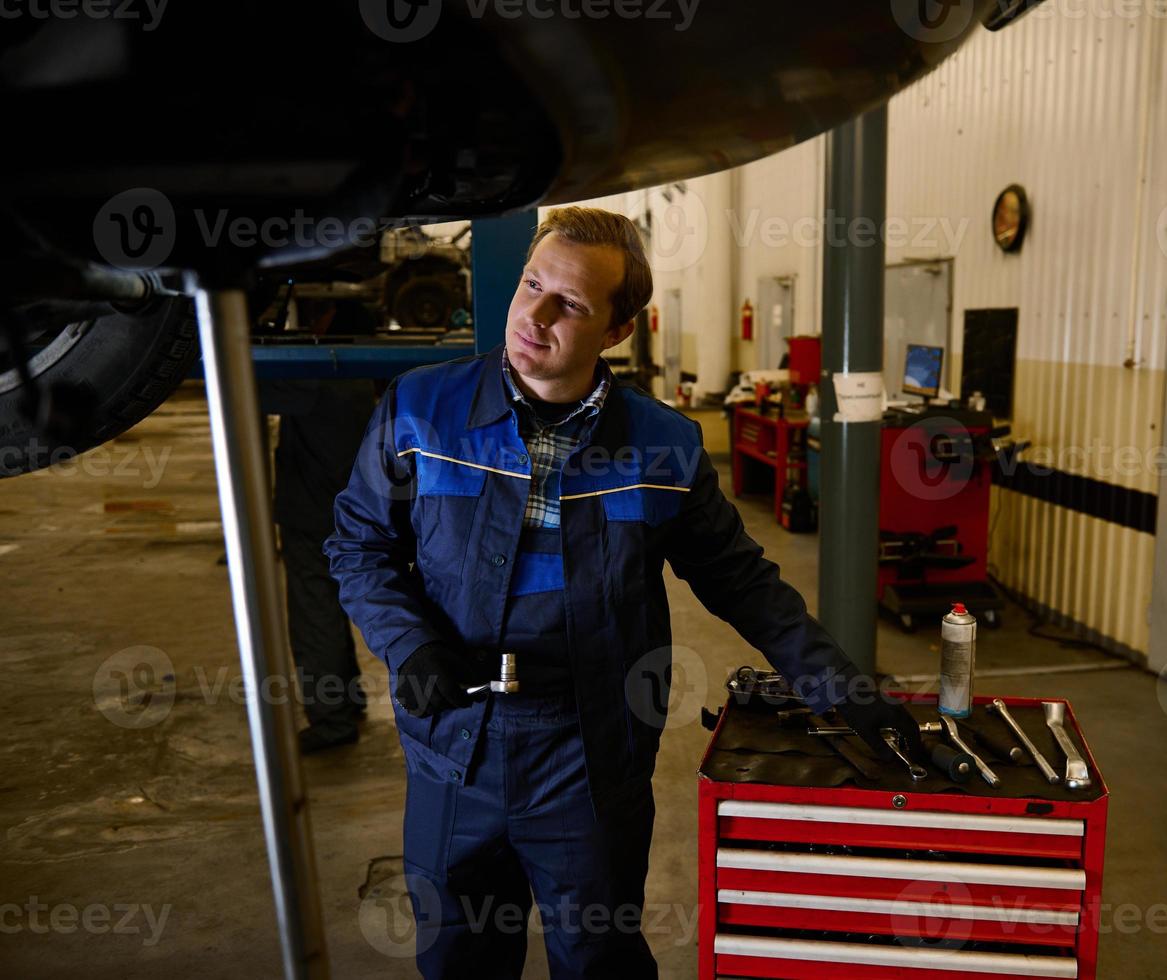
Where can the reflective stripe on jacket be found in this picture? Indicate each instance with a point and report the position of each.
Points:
(427, 536)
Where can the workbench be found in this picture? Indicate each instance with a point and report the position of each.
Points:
(808, 869)
(776, 442)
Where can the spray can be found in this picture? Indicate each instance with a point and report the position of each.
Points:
(958, 650)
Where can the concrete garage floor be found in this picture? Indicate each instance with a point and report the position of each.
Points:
(131, 837)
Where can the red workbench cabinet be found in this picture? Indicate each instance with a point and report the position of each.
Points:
(1020, 875)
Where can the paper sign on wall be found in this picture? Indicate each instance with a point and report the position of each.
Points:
(859, 396)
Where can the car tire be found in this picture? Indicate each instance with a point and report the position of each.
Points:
(95, 379)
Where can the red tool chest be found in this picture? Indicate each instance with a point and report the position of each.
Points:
(865, 882)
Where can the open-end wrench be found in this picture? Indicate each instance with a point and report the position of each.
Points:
(926, 728)
(987, 774)
(1077, 772)
(1046, 769)
(892, 737)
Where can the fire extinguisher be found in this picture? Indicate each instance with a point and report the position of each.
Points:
(747, 321)
(654, 318)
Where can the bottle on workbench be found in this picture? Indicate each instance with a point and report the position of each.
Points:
(958, 650)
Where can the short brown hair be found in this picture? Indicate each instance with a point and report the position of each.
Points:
(595, 226)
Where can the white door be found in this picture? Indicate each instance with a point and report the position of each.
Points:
(917, 307)
(773, 320)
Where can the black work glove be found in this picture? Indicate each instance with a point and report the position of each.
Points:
(868, 710)
(435, 677)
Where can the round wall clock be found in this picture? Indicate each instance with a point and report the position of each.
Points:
(1010, 218)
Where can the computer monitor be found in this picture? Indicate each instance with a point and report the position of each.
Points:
(922, 370)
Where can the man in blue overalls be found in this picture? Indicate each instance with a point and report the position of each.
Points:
(525, 501)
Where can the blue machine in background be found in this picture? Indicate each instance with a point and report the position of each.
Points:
(498, 252)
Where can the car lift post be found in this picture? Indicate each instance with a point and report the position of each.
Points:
(856, 190)
(245, 502)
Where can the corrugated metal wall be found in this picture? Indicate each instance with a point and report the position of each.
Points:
(1071, 102)
(1071, 107)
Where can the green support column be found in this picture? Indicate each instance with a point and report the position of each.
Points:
(853, 268)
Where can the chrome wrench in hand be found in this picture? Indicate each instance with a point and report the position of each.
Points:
(1046, 769)
(987, 774)
(508, 679)
(1077, 772)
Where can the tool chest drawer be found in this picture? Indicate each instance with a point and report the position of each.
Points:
(857, 882)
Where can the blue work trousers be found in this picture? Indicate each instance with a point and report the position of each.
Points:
(521, 826)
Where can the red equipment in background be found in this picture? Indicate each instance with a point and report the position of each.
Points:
(934, 480)
(805, 362)
(747, 320)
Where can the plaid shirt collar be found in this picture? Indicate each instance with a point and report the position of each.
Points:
(592, 404)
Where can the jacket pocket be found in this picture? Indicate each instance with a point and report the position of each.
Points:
(448, 495)
(430, 808)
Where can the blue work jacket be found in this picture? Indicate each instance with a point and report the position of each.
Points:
(428, 529)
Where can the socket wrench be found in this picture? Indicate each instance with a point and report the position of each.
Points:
(1077, 772)
(987, 774)
(508, 678)
(1046, 769)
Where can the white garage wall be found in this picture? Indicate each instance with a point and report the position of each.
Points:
(1071, 102)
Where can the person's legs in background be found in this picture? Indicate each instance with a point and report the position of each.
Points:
(322, 645)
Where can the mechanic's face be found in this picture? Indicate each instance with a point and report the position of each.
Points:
(560, 318)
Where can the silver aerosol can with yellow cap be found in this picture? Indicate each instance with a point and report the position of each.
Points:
(958, 651)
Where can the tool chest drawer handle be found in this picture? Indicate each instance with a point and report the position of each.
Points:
(991, 964)
(864, 867)
(900, 818)
(901, 908)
